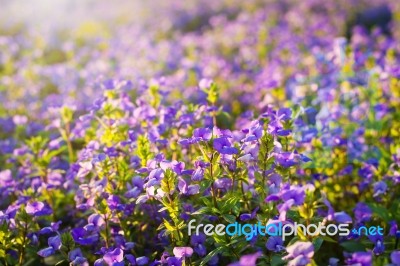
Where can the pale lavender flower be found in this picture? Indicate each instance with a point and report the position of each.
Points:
(183, 252)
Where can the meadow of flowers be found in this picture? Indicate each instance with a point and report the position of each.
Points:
(113, 136)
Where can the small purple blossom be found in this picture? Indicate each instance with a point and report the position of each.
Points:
(247, 260)
(300, 253)
(198, 244)
(395, 257)
(38, 208)
(362, 212)
(275, 244)
(342, 217)
(114, 257)
(83, 237)
(76, 257)
(183, 252)
(224, 146)
(360, 258)
(54, 245)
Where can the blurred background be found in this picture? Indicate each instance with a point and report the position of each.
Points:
(61, 52)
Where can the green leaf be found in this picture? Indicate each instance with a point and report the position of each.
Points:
(277, 260)
(66, 114)
(221, 240)
(202, 210)
(317, 243)
(60, 262)
(212, 94)
(169, 226)
(143, 149)
(211, 254)
(230, 203)
(155, 95)
(380, 211)
(353, 246)
(68, 241)
(328, 239)
(229, 218)
(2, 253)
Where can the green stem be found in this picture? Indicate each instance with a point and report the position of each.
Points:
(107, 231)
(213, 193)
(22, 249)
(69, 144)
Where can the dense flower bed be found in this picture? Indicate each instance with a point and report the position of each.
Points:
(232, 112)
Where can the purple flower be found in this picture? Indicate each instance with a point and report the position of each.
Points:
(82, 237)
(76, 257)
(38, 208)
(114, 257)
(185, 189)
(20, 119)
(99, 158)
(276, 128)
(275, 244)
(223, 183)
(360, 258)
(331, 212)
(342, 217)
(201, 134)
(300, 253)
(198, 242)
(254, 133)
(393, 228)
(50, 229)
(95, 221)
(54, 245)
(183, 252)
(156, 174)
(198, 173)
(85, 168)
(246, 158)
(381, 110)
(131, 259)
(99, 262)
(114, 202)
(111, 151)
(346, 171)
(177, 167)
(46, 252)
(284, 208)
(249, 216)
(395, 257)
(379, 247)
(308, 134)
(379, 188)
(137, 188)
(333, 261)
(362, 212)
(284, 114)
(142, 261)
(6, 181)
(287, 159)
(272, 197)
(247, 260)
(174, 261)
(297, 194)
(204, 83)
(55, 242)
(224, 146)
